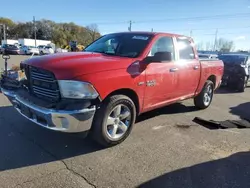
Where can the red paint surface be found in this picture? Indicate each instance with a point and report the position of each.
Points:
(109, 73)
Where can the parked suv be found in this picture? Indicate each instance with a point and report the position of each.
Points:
(237, 69)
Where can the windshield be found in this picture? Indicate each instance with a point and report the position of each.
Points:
(123, 44)
(233, 59)
(12, 46)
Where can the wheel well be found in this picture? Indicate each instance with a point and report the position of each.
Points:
(213, 79)
(129, 93)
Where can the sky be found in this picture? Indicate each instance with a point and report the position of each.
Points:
(198, 18)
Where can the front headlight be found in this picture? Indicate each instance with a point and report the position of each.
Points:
(77, 90)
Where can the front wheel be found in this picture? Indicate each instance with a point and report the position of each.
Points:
(204, 99)
(114, 120)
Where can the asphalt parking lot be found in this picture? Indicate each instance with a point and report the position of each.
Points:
(166, 149)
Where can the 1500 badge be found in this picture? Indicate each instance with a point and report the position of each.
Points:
(151, 83)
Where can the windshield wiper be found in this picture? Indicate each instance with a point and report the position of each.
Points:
(108, 53)
(102, 52)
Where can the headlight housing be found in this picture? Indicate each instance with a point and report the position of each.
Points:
(77, 90)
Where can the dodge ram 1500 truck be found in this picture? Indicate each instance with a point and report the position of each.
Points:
(116, 78)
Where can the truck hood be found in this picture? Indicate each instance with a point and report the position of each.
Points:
(73, 64)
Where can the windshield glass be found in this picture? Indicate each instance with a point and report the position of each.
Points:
(12, 46)
(233, 59)
(123, 44)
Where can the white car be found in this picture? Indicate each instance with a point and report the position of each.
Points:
(27, 50)
(46, 50)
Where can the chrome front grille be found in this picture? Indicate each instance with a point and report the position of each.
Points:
(44, 85)
(42, 77)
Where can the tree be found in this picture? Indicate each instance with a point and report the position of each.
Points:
(242, 51)
(9, 24)
(225, 45)
(93, 31)
(23, 30)
(209, 46)
(58, 33)
(200, 46)
(44, 29)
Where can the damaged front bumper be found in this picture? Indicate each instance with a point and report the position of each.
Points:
(70, 121)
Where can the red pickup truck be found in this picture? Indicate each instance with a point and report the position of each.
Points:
(116, 78)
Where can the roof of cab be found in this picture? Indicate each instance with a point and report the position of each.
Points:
(150, 33)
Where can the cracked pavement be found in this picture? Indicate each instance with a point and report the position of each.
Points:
(165, 149)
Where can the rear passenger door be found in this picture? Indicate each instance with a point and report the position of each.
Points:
(160, 80)
(189, 68)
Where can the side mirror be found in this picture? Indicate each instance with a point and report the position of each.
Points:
(159, 57)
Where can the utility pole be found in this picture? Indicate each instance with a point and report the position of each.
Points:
(4, 31)
(215, 39)
(130, 26)
(34, 22)
(191, 33)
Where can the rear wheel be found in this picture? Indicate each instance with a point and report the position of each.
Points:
(114, 120)
(204, 99)
(243, 85)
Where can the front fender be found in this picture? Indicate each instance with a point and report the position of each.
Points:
(109, 81)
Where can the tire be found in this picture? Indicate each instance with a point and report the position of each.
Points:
(200, 101)
(243, 85)
(101, 131)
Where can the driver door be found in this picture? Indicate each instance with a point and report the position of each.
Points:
(161, 79)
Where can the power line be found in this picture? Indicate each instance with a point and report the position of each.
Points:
(197, 18)
(224, 33)
(182, 19)
(213, 28)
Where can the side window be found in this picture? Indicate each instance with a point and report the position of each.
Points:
(185, 49)
(163, 44)
(111, 45)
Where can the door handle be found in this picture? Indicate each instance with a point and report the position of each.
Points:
(173, 69)
(196, 67)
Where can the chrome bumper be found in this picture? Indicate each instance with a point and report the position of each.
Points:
(58, 120)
